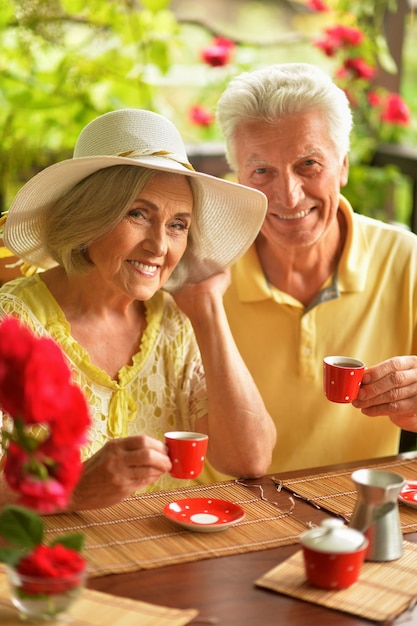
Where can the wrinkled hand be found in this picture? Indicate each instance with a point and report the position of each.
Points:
(390, 388)
(118, 469)
(191, 297)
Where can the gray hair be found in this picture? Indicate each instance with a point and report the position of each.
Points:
(280, 90)
(93, 208)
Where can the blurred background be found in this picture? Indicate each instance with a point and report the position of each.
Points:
(63, 62)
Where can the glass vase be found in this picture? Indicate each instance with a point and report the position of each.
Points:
(44, 599)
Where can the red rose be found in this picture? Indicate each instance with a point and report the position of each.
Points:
(200, 115)
(326, 45)
(16, 344)
(47, 383)
(72, 420)
(396, 111)
(46, 477)
(30, 477)
(15, 462)
(63, 566)
(67, 463)
(317, 5)
(374, 99)
(345, 35)
(44, 496)
(339, 37)
(219, 52)
(359, 68)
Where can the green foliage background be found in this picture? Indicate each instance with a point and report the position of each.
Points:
(64, 62)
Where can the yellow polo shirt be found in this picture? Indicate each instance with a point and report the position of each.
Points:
(369, 313)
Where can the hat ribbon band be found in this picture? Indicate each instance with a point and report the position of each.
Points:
(165, 153)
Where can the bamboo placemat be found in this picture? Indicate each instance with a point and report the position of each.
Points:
(94, 608)
(136, 535)
(335, 491)
(382, 592)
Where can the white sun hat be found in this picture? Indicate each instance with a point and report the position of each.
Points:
(230, 214)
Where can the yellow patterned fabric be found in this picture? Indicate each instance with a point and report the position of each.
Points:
(163, 389)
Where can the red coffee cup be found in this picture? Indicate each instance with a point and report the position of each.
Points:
(342, 377)
(187, 451)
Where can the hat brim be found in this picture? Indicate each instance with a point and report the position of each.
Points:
(230, 215)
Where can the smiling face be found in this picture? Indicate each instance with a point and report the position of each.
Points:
(139, 255)
(298, 168)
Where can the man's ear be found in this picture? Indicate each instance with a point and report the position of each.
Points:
(344, 171)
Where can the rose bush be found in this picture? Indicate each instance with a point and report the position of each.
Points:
(378, 113)
(355, 50)
(45, 421)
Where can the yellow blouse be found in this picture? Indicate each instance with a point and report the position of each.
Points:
(162, 389)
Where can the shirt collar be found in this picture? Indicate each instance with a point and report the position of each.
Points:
(252, 286)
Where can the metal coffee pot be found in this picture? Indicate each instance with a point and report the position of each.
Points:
(376, 512)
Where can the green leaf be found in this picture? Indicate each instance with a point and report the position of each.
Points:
(21, 527)
(74, 541)
(155, 5)
(11, 556)
(159, 54)
(384, 56)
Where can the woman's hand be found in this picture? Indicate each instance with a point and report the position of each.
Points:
(193, 298)
(119, 468)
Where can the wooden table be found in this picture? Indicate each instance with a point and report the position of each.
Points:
(223, 589)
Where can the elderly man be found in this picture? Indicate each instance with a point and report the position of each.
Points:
(320, 279)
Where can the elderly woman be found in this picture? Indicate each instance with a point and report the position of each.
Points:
(135, 247)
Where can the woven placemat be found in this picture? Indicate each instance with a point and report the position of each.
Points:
(94, 608)
(382, 592)
(335, 491)
(136, 535)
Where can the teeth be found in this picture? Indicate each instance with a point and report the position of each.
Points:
(145, 268)
(294, 216)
